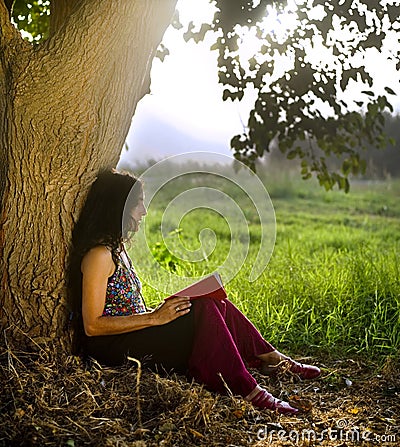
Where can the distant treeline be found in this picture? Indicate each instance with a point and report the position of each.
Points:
(381, 163)
(386, 162)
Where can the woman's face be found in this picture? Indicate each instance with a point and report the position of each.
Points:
(138, 212)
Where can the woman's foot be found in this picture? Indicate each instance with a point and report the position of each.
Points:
(306, 372)
(260, 398)
(274, 361)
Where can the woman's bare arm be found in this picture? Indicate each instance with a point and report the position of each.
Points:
(97, 266)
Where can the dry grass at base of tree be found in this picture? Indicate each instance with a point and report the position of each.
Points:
(49, 398)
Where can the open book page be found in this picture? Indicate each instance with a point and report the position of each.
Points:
(209, 287)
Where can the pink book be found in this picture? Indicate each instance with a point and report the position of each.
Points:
(209, 287)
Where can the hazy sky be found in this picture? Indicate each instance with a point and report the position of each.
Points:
(185, 111)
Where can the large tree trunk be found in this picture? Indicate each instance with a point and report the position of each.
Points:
(65, 109)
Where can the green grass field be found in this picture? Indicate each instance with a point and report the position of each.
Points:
(332, 284)
(331, 290)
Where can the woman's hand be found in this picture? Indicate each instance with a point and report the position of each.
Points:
(171, 309)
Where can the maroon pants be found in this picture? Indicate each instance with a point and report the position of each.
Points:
(224, 342)
(212, 344)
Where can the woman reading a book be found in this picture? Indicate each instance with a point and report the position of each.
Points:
(207, 339)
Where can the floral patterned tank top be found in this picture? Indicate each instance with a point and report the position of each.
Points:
(124, 291)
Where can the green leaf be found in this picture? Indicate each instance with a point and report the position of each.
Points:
(226, 94)
(390, 91)
(346, 167)
(162, 52)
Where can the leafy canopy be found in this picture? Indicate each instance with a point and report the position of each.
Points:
(32, 17)
(306, 55)
(302, 57)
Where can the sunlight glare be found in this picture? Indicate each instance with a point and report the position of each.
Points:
(186, 83)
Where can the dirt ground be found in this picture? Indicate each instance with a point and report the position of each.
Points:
(52, 399)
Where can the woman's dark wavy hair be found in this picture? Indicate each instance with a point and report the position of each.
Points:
(102, 222)
(102, 219)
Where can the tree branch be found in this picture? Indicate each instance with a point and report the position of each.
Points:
(99, 31)
(5, 23)
(97, 67)
(60, 10)
(9, 6)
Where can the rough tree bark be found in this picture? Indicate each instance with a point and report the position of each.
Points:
(65, 109)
